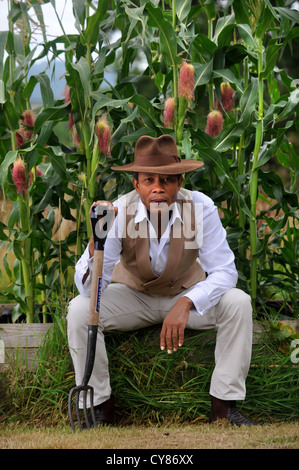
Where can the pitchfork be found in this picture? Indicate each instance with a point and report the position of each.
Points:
(101, 220)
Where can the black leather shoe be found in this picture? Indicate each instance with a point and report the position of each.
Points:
(105, 412)
(235, 417)
(222, 409)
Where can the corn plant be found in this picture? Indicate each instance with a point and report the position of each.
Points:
(210, 75)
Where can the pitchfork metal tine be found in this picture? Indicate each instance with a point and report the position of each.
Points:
(93, 419)
(78, 410)
(92, 408)
(84, 408)
(78, 390)
(74, 390)
(70, 409)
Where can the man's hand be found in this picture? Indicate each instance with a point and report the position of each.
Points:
(109, 206)
(173, 328)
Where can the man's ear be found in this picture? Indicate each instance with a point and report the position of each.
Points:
(135, 184)
(181, 181)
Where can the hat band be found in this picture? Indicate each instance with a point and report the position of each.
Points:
(156, 160)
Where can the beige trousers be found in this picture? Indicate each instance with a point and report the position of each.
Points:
(125, 309)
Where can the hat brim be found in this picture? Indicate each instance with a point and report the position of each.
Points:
(184, 166)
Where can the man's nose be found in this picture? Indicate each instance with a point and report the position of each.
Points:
(158, 185)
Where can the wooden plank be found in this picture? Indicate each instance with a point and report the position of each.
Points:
(23, 334)
(21, 342)
(31, 335)
(20, 357)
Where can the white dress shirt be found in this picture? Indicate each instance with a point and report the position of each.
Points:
(215, 255)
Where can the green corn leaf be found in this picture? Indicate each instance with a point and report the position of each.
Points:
(227, 75)
(82, 68)
(3, 235)
(10, 157)
(45, 88)
(211, 157)
(221, 24)
(135, 135)
(145, 107)
(246, 34)
(79, 82)
(7, 267)
(91, 34)
(11, 117)
(202, 73)
(264, 22)
(168, 39)
(3, 39)
(204, 46)
(210, 9)
(55, 113)
(57, 161)
(104, 101)
(2, 92)
(288, 13)
(241, 13)
(291, 105)
(228, 136)
(225, 36)
(10, 44)
(79, 10)
(39, 13)
(136, 14)
(43, 203)
(183, 9)
(248, 101)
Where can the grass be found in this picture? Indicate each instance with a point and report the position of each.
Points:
(201, 436)
(162, 401)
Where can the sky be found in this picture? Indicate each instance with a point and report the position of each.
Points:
(53, 29)
(64, 9)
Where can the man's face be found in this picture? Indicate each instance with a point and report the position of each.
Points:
(157, 192)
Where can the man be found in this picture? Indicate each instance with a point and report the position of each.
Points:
(171, 264)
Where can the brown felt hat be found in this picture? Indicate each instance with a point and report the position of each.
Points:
(158, 155)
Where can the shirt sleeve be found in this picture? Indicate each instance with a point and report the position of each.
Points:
(113, 246)
(215, 256)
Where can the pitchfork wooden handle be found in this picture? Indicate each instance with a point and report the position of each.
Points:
(96, 284)
(101, 221)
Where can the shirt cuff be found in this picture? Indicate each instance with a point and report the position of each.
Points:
(90, 263)
(200, 300)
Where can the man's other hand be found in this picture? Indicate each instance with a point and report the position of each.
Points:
(173, 328)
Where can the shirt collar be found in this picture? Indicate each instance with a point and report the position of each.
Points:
(142, 214)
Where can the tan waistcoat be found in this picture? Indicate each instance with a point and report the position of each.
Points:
(182, 269)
